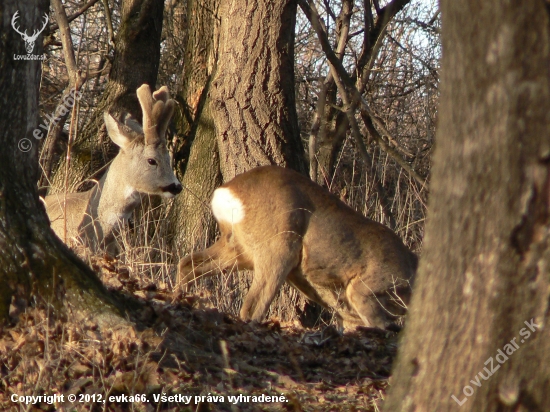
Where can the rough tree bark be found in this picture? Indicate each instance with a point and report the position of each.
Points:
(484, 276)
(240, 91)
(33, 261)
(253, 93)
(136, 61)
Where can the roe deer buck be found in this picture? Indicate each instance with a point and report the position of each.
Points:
(142, 166)
(286, 228)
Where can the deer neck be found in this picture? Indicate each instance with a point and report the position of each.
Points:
(115, 199)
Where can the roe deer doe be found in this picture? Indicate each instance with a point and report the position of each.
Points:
(142, 166)
(286, 228)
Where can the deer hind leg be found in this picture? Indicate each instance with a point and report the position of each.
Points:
(272, 264)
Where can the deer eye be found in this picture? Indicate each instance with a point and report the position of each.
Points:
(152, 162)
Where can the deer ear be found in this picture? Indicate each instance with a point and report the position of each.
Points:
(119, 133)
(132, 123)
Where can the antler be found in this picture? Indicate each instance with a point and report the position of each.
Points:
(37, 32)
(157, 111)
(24, 34)
(14, 18)
(163, 95)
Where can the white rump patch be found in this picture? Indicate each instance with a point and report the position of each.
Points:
(226, 206)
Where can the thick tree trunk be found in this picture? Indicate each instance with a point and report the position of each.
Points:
(484, 276)
(239, 86)
(33, 261)
(253, 94)
(136, 61)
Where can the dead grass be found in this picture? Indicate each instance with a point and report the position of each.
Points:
(187, 349)
(196, 346)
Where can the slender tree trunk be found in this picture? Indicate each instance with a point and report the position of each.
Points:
(484, 278)
(198, 159)
(331, 139)
(50, 152)
(33, 261)
(253, 93)
(136, 61)
(330, 125)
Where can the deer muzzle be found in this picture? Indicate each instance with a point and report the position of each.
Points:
(174, 188)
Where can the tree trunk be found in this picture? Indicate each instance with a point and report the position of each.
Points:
(136, 61)
(33, 261)
(484, 276)
(253, 94)
(331, 139)
(198, 159)
(243, 50)
(50, 154)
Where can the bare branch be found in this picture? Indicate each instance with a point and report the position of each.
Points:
(66, 40)
(82, 10)
(349, 93)
(109, 21)
(369, 119)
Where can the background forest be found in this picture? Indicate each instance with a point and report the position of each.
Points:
(342, 91)
(346, 92)
(387, 54)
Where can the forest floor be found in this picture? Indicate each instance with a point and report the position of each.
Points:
(183, 356)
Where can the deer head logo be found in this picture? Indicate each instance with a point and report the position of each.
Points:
(29, 40)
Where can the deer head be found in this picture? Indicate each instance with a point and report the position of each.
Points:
(143, 164)
(29, 40)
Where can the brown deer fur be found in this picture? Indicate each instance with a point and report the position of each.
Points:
(286, 228)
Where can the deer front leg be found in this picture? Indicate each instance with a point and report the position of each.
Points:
(197, 264)
(375, 309)
(208, 262)
(186, 271)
